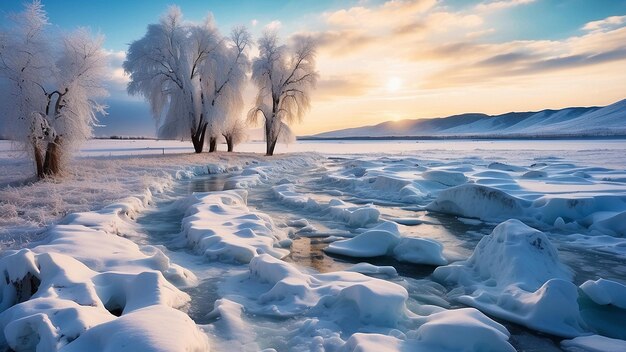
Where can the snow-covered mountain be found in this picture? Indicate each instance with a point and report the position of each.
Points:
(590, 121)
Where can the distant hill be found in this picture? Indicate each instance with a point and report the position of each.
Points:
(569, 122)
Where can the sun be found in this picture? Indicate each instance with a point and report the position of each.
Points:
(394, 84)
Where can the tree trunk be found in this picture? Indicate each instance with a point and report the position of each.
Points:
(270, 147)
(52, 162)
(212, 144)
(230, 143)
(197, 135)
(268, 138)
(38, 161)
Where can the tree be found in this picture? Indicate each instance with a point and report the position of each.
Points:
(234, 133)
(223, 78)
(285, 76)
(191, 70)
(52, 85)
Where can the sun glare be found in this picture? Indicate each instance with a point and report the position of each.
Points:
(394, 84)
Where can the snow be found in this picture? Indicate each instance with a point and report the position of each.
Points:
(346, 295)
(477, 201)
(385, 240)
(95, 277)
(575, 121)
(593, 343)
(354, 216)
(605, 292)
(515, 274)
(221, 227)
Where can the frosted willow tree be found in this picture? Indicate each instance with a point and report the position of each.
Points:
(285, 76)
(164, 69)
(52, 84)
(191, 71)
(223, 78)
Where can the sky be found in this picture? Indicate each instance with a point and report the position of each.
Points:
(392, 60)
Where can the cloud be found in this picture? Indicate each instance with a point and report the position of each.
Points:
(604, 24)
(374, 17)
(500, 62)
(338, 87)
(501, 4)
(254, 22)
(273, 26)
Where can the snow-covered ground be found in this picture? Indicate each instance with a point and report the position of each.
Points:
(502, 245)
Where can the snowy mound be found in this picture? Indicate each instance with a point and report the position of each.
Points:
(515, 274)
(471, 331)
(51, 300)
(594, 343)
(354, 216)
(385, 240)
(221, 226)
(349, 296)
(477, 201)
(370, 312)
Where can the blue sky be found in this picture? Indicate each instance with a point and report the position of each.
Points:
(390, 60)
(124, 21)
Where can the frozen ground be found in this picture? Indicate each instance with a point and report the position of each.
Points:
(505, 245)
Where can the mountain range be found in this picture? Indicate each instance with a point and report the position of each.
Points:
(569, 122)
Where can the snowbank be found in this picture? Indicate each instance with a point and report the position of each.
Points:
(52, 300)
(515, 274)
(221, 227)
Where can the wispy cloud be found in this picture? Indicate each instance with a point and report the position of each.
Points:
(274, 25)
(501, 4)
(607, 23)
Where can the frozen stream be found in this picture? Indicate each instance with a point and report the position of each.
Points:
(458, 236)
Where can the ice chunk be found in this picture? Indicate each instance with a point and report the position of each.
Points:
(477, 201)
(603, 307)
(419, 251)
(369, 269)
(594, 343)
(371, 243)
(447, 178)
(605, 292)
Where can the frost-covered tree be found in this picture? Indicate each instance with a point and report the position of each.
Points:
(234, 132)
(223, 77)
(285, 76)
(191, 71)
(164, 68)
(52, 83)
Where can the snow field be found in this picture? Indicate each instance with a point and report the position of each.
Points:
(87, 270)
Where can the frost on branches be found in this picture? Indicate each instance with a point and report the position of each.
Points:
(192, 77)
(52, 83)
(285, 76)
